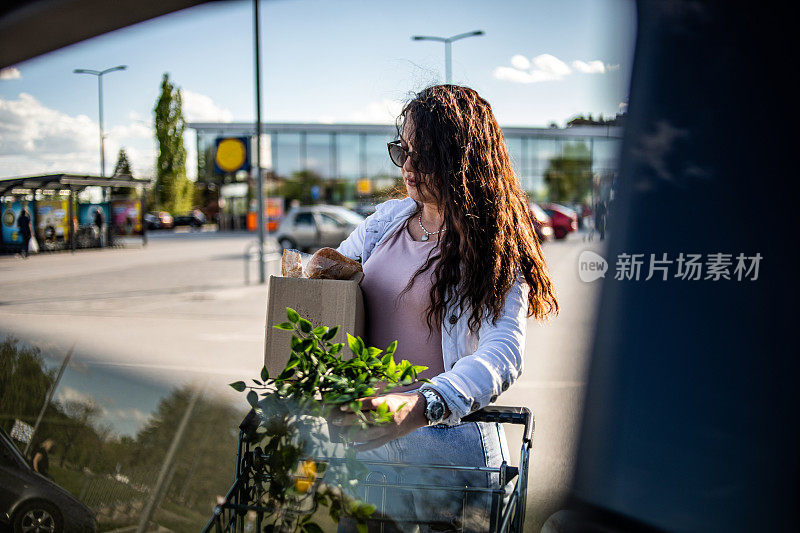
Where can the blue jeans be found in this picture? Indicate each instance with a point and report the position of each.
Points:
(425, 507)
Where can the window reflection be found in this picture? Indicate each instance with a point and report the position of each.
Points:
(287, 155)
(348, 156)
(318, 154)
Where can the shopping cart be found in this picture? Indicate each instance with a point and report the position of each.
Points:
(243, 508)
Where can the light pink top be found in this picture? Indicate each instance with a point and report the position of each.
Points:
(402, 318)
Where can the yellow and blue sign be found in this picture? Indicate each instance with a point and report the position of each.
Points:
(232, 154)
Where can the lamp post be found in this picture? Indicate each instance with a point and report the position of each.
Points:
(448, 41)
(99, 74)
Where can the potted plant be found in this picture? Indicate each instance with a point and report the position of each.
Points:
(318, 382)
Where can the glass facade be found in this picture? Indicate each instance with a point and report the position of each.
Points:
(343, 155)
(348, 156)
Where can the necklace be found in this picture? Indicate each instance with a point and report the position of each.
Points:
(427, 233)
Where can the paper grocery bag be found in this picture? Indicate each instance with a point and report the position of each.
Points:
(324, 302)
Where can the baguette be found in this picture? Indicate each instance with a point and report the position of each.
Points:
(327, 263)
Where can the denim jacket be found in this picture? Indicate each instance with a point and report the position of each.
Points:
(478, 367)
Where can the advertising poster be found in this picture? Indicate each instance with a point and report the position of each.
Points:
(11, 210)
(52, 219)
(127, 217)
(86, 213)
(273, 212)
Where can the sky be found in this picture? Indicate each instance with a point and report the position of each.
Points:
(346, 61)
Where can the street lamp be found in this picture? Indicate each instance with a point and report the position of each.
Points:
(447, 48)
(99, 74)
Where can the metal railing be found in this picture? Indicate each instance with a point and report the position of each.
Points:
(272, 254)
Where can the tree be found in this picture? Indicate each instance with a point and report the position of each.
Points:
(82, 415)
(299, 185)
(123, 168)
(173, 190)
(569, 176)
(24, 382)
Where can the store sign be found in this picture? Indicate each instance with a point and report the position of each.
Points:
(232, 154)
(364, 186)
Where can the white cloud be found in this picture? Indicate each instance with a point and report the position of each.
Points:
(137, 416)
(135, 130)
(10, 73)
(591, 67)
(36, 139)
(68, 394)
(201, 108)
(546, 67)
(382, 112)
(521, 62)
(28, 127)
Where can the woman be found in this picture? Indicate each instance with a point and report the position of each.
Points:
(452, 272)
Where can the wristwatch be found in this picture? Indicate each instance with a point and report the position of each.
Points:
(434, 408)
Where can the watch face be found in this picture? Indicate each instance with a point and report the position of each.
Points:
(436, 411)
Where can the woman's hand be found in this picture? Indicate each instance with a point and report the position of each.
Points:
(409, 414)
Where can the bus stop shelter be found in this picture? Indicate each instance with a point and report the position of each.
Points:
(59, 221)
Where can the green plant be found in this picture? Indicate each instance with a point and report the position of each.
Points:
(317, 383)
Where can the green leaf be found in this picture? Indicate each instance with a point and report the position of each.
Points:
(392, 347)
(320, 330)
(264, 373)
(252, 398)
(239, 385)
(291, 364)
(295, 343)
(288, 326)
(312, 527)
(367, 509)
(336, 348)
(305, 344)
(352, 342)
(305, 325)
(292, 315)
(331, 333)
(373, 352)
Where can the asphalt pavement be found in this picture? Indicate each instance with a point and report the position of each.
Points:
(178, 310)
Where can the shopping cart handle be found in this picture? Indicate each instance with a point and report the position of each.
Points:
(505, 415)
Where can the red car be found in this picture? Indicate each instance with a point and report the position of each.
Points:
(565, 220)
(541, 222)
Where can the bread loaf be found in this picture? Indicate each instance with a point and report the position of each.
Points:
(291, 264)
(327, 263)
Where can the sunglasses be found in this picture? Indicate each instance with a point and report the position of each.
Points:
(398, 154)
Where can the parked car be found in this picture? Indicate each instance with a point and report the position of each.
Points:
(183, 220)
(31, 502)
(365, 210)
(159, 220)
(565, 220)
(151, 222)
(316, 226)
(542, 222)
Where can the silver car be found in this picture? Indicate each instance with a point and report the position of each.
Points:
(316, 226)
